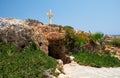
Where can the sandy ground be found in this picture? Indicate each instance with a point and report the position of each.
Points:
(74, 70)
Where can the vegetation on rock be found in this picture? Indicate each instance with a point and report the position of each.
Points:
(89, 48)
(78, 41)
(33, 22)
(30, 63)
(20, 57)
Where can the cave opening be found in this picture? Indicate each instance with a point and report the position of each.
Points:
(56, 49)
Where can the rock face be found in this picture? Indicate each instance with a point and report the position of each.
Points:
(14, 31)
(20, 33)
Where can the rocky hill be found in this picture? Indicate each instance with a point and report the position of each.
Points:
(24, 32)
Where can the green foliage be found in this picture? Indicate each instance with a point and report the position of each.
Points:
(97, 37)
(96, 60)
(115, 42)
(69, 40)
(31, 63)
(68, 27)
(7, 49)
(96, 42)
(78, 41)
(113, 53)
(55, 25)
(33, 21)
(81, 39)
(75, 40)
(33, 46)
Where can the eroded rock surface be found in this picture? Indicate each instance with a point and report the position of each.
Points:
(21, 34)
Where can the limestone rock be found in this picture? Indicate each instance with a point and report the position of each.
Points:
(60, 62)
(57, 71)
(47, 74)
(22, 34)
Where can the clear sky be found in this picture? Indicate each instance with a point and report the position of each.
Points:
(94, 15)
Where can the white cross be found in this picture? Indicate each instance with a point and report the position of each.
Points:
(50, 15)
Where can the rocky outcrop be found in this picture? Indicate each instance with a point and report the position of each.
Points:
(14, 31)
(44, 35)
(114, 51)
(22, 33)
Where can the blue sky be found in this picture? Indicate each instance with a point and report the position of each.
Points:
(94, 15)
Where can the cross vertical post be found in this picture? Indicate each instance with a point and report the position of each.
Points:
(50, 15)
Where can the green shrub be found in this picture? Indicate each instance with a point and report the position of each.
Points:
(69, 40)
(31, 63)
(33, 22)
(96, 60)
(96, 42)
(99, 37)
(115, 42)
(68, 27)
(81, 39)
(55, 25)
(7, 49)
(75, 41)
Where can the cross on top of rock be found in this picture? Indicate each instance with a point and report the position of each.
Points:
(50, 15)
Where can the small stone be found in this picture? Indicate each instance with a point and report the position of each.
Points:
(73, 63)
(57, 71)
(72, 58)
(60, 62)
(63, 76)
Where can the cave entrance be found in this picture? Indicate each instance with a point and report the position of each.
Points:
(56, 49)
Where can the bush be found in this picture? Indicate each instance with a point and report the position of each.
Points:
(115, 42)
(55, 25)
(96, 60)
(7, 49)
(75, 41)
(81, 39)
(97, 37)
(78, 41)
(30, 63)
(33, 22)
(68, 27)
(96, 42)
(69, 40)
